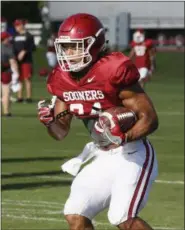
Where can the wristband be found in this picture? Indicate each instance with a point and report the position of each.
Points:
(62, 114)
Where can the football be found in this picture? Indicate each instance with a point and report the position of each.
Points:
(125, 117)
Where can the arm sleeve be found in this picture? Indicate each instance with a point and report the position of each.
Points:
(125, 75)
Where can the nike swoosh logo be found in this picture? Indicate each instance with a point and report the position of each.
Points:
(90, 79)
(131, 152)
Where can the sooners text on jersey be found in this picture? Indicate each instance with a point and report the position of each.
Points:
(98, 89)
(141, 50)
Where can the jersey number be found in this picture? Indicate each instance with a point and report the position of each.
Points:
(140, 50)
(79, 108)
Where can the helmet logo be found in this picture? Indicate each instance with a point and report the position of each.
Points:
(79, 31)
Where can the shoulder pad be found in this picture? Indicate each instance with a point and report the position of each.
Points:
(125, 73)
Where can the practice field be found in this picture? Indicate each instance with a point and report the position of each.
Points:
(34, 189)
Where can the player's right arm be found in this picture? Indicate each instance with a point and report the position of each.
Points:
(57, 119)
(60, 126)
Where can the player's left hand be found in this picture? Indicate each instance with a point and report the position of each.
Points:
(112, 129)
(107, 133)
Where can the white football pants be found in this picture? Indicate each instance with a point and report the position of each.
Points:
(118, 179)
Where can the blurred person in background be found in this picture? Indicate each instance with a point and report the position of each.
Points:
(9, 72)
(3, 24)
(4, 27)
(161, 40)
(51, 54)
(179, 41)
(171, 41)
(143, 54)
(23, 44)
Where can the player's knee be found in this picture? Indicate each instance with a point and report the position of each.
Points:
(119, 218)
(115, 218)
(73, 221)
(77, 222)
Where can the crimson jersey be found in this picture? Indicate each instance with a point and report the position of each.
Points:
(98, 89)
(141, 51)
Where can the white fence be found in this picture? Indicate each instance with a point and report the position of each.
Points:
(157, 23)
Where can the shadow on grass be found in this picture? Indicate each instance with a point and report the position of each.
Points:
(31, 174)
(32, 185)
(26, 159)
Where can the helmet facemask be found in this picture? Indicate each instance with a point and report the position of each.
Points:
(81, 51)
(138, 37)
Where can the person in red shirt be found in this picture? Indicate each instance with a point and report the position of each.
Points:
(143, 55)
(89, 80)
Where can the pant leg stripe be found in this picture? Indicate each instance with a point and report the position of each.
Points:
(147, 179)
(140, 181)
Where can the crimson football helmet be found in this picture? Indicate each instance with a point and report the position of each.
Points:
(139, 36)
(86, 34)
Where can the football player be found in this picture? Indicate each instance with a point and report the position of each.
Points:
(143, 55)
(89, 80)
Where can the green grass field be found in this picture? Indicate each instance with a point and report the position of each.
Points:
(34, 189)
